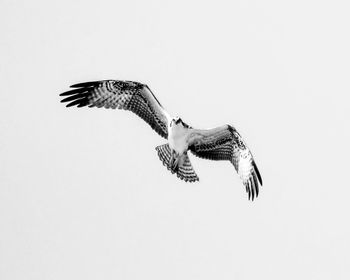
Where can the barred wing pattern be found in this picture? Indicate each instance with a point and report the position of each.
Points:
(127, 95)
(185, 171)
(225, 143)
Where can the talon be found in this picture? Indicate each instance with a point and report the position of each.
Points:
(174, 161)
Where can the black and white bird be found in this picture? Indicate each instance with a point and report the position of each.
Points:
(221, 143)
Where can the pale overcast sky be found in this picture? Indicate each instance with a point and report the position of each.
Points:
(83, 194)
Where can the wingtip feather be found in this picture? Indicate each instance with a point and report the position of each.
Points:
(248, 191)
(253, 188)
(257, 173)
(71, 98)
(86, 84)
(75, 102)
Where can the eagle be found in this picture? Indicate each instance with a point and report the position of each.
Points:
(220, 143)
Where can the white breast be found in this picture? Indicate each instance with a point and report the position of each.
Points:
(178, 136)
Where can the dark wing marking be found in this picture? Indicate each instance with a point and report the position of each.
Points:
(225, 143)
(127, 95)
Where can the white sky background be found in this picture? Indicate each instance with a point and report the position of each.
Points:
(83, 194)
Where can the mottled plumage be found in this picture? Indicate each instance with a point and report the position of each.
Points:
(221, 143)
(126, 95)
(225, 143)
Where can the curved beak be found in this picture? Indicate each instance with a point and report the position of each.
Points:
(178, 120)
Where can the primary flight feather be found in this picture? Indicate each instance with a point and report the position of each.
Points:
(221, 143)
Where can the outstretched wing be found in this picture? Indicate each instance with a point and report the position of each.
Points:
(225, 143)
(127, 95)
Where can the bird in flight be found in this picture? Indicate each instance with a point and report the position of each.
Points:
(220, 143)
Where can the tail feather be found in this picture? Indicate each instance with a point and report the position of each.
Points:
(184, 171)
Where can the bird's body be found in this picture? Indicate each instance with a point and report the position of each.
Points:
(178, 137)
(221, 143)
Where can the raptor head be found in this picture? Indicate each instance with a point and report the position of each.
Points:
(177, 121)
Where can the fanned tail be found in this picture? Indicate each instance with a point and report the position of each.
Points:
(184, 169)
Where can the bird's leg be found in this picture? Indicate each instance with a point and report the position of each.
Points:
(174, 161)
(176, 164)
(171, 160)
